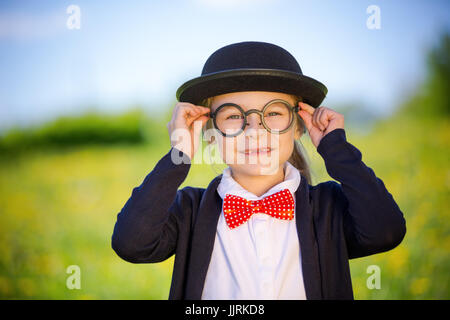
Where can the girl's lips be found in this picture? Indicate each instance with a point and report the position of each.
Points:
(258, 151)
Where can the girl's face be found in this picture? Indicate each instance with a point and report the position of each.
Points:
(255, 151)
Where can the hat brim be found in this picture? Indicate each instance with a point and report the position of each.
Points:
(194, 91)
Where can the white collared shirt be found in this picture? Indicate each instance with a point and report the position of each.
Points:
(261, 258)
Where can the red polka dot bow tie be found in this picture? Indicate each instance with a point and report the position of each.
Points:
(238, 210)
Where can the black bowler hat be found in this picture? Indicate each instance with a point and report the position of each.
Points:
(251, 66)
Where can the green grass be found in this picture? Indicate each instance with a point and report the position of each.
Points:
(412, 158)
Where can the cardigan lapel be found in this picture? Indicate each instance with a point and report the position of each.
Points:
(308, 243)
(203, 238)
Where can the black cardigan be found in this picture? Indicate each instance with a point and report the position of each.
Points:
(335, 222)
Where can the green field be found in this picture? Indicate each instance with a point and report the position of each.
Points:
(58, 208)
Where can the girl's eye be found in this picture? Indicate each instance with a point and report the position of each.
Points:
(273, 114)
(234, 117)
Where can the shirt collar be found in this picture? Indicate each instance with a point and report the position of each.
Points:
(228, 185)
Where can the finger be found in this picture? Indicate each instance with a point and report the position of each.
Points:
(198, 109)
(190, 112)
(306, 107)
(326, 117)
(323, 118)
(204, 120)
(198, 117)
(182, 111)
(190, 118)
(320, 112)
(188, 106)
(315, 120)
(201, 110)
(204, 109)
(307, 119)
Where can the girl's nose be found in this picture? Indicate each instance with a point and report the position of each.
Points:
(254, 127)
(254, 121)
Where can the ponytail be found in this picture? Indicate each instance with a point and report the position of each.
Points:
(299, 161)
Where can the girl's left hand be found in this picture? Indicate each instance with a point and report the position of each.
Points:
(320, 121)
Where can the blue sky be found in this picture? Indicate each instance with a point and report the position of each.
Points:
(140, 52)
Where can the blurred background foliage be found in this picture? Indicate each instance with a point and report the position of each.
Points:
(90, 128)
(62, 184)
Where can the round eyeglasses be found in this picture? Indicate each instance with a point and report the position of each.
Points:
(277, 116)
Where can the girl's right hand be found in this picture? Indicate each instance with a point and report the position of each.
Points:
(184, 133)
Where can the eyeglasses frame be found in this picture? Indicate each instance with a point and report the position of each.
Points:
(293, 109)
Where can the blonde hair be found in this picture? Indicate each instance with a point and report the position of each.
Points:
(298, 157)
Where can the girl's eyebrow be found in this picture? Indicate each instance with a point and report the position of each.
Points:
(243, 106)
(247, 108)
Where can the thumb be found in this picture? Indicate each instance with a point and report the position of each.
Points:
(203, 119)
(307, 118)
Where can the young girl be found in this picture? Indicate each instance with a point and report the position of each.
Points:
(255, 233)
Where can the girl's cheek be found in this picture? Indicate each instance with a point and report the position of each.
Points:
(286, 146)
(228, 149)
